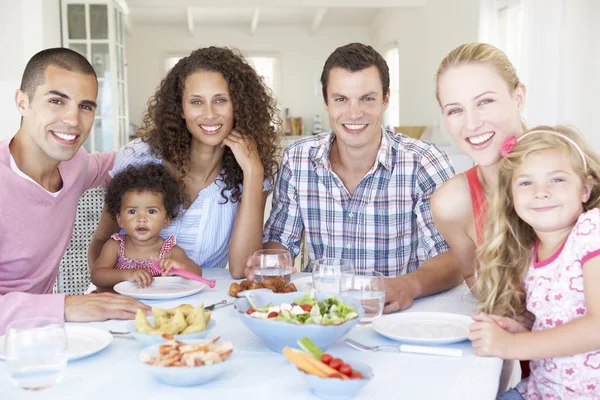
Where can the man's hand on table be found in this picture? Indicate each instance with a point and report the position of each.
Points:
(101, 307)
(399, 294)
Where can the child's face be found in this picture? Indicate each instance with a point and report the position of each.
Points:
(548, 194)
(142, 215)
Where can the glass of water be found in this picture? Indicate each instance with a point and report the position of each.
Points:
(36, 352)
(326, 274)
(271, 263)
(369, 289)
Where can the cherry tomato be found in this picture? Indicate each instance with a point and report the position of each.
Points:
(356, 375)
(250, 311)
(326, 358)
(346, 369)
(272, 314)
(306, 307)
(336, 363)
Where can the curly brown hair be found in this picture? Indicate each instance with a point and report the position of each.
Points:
(254, 110)
(150, 177)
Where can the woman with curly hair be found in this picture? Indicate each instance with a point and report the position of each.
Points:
(214, 125)
(142, 200)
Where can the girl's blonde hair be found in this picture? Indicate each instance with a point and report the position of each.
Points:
(505, 255)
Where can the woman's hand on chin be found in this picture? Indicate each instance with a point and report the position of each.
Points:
(245, 152)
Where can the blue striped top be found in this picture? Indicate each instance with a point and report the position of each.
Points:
(205, 229)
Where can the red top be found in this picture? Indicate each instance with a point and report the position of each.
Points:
(126, 263)
(478, 201)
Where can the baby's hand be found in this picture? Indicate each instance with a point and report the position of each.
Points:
(167, 263)
(141, 276)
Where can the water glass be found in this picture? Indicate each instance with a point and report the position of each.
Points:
(271, 263)
(36, 352)
(369, 289)
(326, 274)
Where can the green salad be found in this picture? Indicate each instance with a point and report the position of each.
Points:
(306, 310)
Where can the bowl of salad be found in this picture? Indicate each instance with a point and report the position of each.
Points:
(281, 319)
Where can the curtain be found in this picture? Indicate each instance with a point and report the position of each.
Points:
(559, 60)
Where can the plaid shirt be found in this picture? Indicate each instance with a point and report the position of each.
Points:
(385, 225)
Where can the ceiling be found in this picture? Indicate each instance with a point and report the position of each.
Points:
(256, 13)
(310, 16)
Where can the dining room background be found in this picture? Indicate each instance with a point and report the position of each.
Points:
(555, 45)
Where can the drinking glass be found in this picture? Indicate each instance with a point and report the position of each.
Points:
(326, 274)
(271, 263)
(369, 289)
(36, 352)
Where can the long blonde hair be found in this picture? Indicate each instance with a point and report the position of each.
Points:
(505, 255)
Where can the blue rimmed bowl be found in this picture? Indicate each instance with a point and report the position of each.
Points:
(279, 334)
(147, 339)
(185, 376)
(338, 389)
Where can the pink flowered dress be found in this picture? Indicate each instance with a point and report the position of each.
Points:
(126, 263)
(555, 296)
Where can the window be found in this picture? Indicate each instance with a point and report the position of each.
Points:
(510, 29)
(392, 114)
(265, 66)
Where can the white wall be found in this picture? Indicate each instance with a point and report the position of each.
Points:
(424, 36)
(561, 49)
(302, 57)
(26, 27)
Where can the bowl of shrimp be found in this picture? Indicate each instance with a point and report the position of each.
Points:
(187, 364)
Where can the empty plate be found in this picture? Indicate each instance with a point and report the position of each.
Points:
(163, 287)
(424, 327)
(82, 341)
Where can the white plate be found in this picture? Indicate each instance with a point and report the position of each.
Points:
(303, 284)
(424, 327)
(163, 287)
(81, 341)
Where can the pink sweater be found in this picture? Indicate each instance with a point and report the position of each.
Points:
(35, 230)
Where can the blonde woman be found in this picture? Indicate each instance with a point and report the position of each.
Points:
(541, 248)
(481, 99)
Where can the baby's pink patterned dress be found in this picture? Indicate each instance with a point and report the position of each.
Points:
(555, 296)
(126, 263)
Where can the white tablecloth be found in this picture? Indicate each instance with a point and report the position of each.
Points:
(258, 373)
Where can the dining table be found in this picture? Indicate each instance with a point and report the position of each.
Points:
(256, 372)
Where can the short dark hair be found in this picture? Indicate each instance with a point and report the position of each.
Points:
(355, 57)
(61, 57)
(150, 177)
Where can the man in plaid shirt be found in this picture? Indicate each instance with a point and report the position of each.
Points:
(361, 192)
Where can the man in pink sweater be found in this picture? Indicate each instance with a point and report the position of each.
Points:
(43, 173)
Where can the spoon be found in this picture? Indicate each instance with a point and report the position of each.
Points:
(187, 274)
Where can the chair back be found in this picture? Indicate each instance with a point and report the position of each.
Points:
(73, 272)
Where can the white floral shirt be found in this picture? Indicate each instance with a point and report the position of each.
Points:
(555, 296)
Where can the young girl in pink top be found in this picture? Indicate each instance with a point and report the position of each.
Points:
(143, 200)
(541, 248)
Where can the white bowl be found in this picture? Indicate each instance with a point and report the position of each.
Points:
(147, 339)
(185, 376)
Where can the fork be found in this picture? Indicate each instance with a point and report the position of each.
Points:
(222, 303)
(408, 348)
